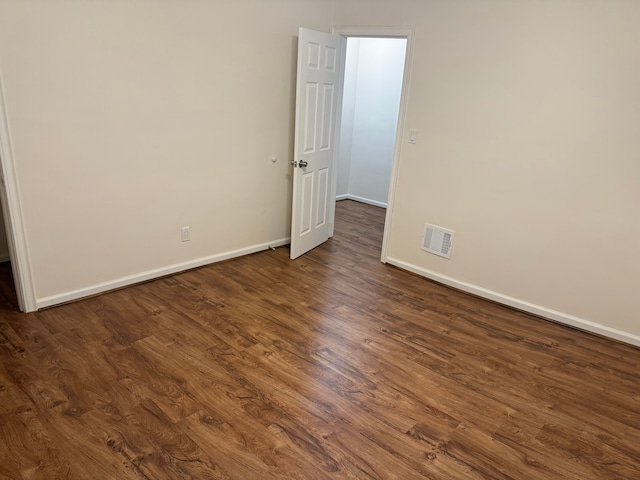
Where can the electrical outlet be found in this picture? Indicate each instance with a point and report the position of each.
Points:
(185, 234)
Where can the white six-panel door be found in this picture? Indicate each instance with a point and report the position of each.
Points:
(319, 68)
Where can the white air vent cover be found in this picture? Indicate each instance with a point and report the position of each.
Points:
(437, 240)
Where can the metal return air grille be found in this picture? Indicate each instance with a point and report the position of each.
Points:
(437, 240)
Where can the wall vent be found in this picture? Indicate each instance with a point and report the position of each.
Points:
(437, 240)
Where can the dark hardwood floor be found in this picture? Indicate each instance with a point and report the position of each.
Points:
(331, 366)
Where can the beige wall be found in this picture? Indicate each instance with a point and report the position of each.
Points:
(528, 148)
(131, 119)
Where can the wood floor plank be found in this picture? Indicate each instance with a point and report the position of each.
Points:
(28, 451)
(332, 366)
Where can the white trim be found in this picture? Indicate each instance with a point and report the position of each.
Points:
(336, 135)
(13, 218)
(397, 32)
(355, 198)
(544, 312)
(5, 258)
(156, 273)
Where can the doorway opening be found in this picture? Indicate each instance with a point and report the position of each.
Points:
(12, 218)
(4, 243)
(375, 90)
(374, 70)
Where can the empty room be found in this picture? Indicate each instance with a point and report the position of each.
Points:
(181, 295)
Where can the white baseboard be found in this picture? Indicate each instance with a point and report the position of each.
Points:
(4, 258)
(361, 200)
(554, 315)
(156, 273)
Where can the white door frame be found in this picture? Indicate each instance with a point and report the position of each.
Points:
(13, 219)
(390, 32)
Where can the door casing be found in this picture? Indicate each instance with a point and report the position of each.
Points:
(386, 32)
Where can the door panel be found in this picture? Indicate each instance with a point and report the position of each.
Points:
(307, 205)
(311, 106)
(327, 117)
(323, 193)
(319, 65)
